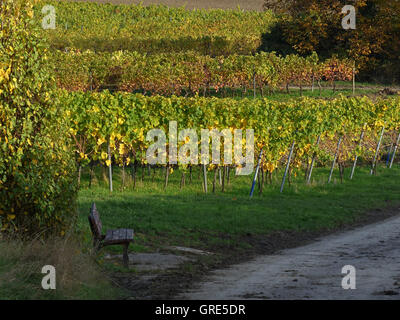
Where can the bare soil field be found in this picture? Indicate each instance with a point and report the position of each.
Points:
(192, 4)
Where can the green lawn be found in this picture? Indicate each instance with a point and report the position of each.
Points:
(188, 217)
(327, 92)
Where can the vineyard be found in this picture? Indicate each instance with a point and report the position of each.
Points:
(161, 50)
(189, 73)
(128, 69)
(156, 114)
(111, 128)
(154, 29)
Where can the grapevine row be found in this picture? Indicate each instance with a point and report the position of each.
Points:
(190, 73)
(111, 128)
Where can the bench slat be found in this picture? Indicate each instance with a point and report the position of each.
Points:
(119, 236)
(129, 233)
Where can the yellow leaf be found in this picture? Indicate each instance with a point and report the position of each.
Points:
(104, 155)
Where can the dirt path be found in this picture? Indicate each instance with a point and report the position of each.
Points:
(314, 271)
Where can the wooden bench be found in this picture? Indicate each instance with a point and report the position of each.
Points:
(113, 237)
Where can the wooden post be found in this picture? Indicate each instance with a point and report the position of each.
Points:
(287, 166)
(256, 174)
(133, 172)
(312, 85)
(389, 155)
(215, 179)
(262, 180)
(223, 178)
(335, 158)
(183, 180)
(373, 167)
(79, 174)
(166, 176)
(123, 174)
(356, 158)
(313, 161)
(91, 173)
(110, 169)
(205, 178)
(394, 151)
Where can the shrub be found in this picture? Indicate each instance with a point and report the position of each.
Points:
(37, 185)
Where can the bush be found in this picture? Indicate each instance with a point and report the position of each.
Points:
(37, 185)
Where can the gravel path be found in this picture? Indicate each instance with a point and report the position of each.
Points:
(314, 271)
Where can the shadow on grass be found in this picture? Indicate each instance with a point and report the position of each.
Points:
(191, 218)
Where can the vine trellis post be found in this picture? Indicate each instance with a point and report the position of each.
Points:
(356, 157)
(395, 150)
(256, 174)
(287, 165)
(313, 161)
(373, 167)
(110, 169)
(334, 159)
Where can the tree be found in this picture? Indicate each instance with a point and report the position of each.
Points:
(310, 25)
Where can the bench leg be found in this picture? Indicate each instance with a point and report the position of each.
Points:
(125, 256)
(97, 245)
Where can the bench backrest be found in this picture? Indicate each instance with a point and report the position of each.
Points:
(94, 220)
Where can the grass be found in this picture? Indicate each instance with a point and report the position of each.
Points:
(327, 92)
(192, 4)
(188, 217)
(77, 275)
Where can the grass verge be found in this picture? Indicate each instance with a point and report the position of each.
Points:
(188, 217)
(78, 277)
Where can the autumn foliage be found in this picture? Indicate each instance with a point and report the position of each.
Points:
(37, 193)
(309, 26)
